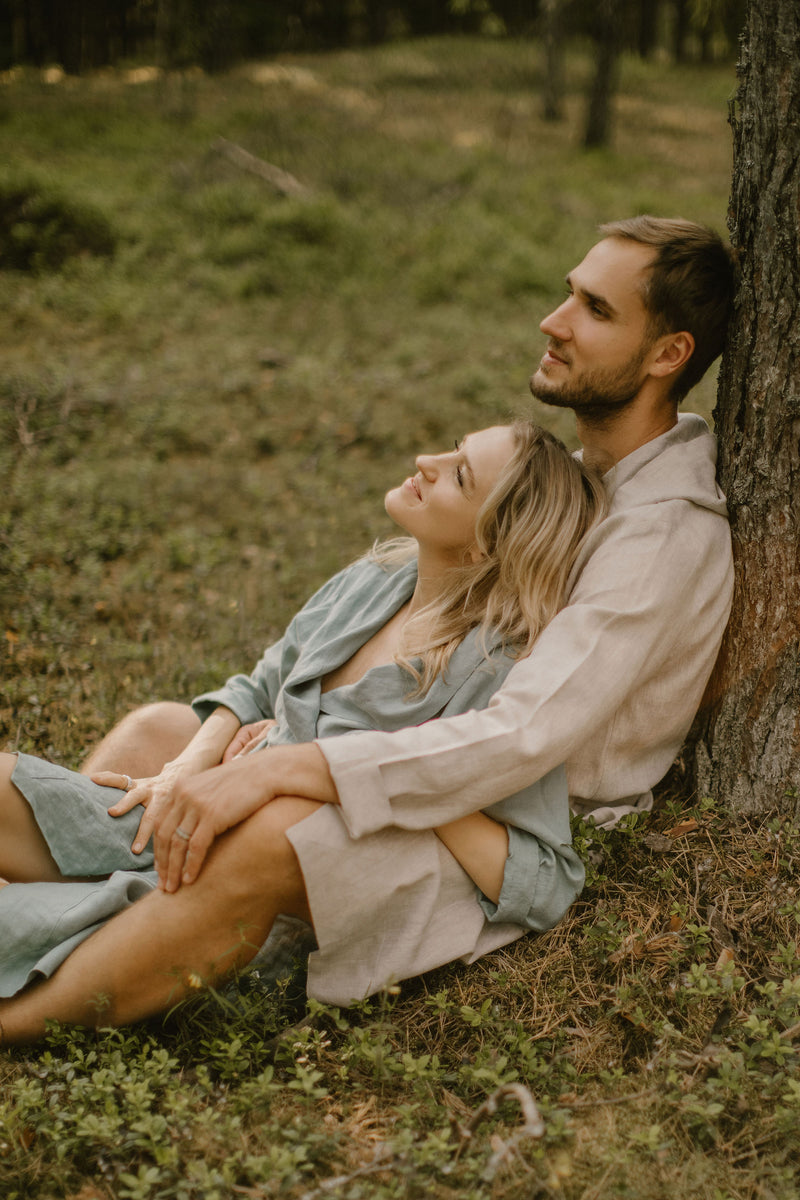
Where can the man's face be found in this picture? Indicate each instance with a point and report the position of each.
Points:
(598, 339)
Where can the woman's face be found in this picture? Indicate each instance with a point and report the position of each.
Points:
(439, 505)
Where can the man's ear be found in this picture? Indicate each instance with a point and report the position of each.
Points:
(671, 352)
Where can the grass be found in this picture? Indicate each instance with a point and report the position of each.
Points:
(198, 430)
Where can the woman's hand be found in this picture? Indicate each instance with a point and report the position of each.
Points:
(153, 793)
(203, 805)
(184, 811)
(247, 738)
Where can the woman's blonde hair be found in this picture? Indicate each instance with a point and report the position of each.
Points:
(528, 531)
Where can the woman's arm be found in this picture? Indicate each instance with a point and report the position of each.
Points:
(210, 742)
(480, 845)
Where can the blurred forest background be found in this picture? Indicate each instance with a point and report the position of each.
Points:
(215, 34)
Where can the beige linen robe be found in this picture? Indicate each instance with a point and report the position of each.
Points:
(612, 684)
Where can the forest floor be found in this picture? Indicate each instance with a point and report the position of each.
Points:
(205, 387)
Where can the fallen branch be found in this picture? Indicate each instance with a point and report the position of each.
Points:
(382, 1160)
(504, 1151)
(534, 1125)
(281, 180)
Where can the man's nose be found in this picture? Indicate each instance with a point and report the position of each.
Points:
(556, 324)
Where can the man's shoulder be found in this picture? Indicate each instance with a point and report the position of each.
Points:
(667, 518)
(678, 466)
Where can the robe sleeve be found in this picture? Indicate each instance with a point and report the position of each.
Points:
(539, 883)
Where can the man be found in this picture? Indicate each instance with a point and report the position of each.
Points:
(610, 687)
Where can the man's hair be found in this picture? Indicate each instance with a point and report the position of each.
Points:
(690, 286)
(529, 531)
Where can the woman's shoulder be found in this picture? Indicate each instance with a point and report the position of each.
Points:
(373, 573)
(364, 581)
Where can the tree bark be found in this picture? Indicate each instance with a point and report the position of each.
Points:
(680, 30)
(608, 38)
(553, 45)
(648, 27)
(748, 752)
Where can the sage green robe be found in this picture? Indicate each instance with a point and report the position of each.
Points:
(385, 906)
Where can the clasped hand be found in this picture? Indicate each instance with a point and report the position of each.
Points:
(186, 808)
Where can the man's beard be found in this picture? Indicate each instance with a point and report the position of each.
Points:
(597, 395)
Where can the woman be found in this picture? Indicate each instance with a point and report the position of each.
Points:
(425, 626)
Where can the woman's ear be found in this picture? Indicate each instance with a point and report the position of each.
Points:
(672, 352)
(475, 555)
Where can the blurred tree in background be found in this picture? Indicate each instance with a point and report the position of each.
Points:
(86, 34)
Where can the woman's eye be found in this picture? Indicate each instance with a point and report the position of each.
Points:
(460, 475)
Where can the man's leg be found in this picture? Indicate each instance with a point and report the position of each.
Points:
(149, 956)
(144, 740)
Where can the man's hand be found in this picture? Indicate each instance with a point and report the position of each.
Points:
(247, 738)
(202, 807)
(156, 792)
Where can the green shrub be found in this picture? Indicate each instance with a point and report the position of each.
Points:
(40, 228)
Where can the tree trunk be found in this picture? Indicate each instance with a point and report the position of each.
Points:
(608, 37)
(553, 45)
(680, 30)
(748, 752)
(648, 27)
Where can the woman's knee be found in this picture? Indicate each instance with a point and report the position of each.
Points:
(7, 764)
(164, 719)
(144, 740)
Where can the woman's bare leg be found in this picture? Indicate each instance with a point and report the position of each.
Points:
(144, 740)
(143, 960)
(24, 853)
